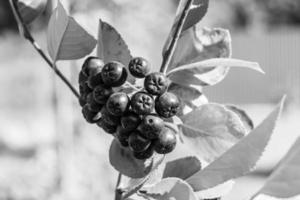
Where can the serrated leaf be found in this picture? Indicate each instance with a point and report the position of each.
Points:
(195, 14)
(66, 39)
(284, 182)
(190, 97)
(112, 47)
(210, 130)
(248, 123)
(182, 168)
(199, 44)
(207, 72)
(170, 188)
(123, 161)
(241, 158)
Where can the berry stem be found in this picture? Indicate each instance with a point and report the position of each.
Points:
(131, 86)
(118, 191)
(27, 35)
(171, 48)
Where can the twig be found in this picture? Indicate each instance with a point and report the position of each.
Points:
(118, 191)
(171, 49)
(27, 35)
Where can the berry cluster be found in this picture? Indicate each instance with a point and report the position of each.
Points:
(137, 120)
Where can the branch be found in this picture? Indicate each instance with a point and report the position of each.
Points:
(171, 49)
(118, 191)
(27, 35)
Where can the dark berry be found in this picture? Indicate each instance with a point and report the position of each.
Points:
(138, 143)
(122, 135)
(130, 121)
(166, 141)
(151, 126)
(102, 93)
(156, 83)
(142, 103)
(144, 154)
(92, 104)
(167, 105)
(90, 116)
(108, 128)
(118, 103)
(114, 74)
(95, 80)
(109, 118)
(82, 78)
(139, 67)
(84, 90)
(92, 65)
(82, 101)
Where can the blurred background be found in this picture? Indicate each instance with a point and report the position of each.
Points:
(47, 150)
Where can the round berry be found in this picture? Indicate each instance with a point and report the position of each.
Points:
(122, 135)
(95, 80)
(144, 154)
(90, 116)
(118, 103)
(167, 105)
(92, 104)
(84, 90)
(102, 93)
(138, 143)
(82, 78)
(151, 126)
(142, 103)
(139, 67)
(166, 141)
(156, 83)
(114, 74)
(106, 127)
(92, 65)
(109, 118)
(130, 121)
(82, 101)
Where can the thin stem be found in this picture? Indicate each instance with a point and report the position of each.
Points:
(171, 49)
(131, 86)
(118, 191)
(27, 35)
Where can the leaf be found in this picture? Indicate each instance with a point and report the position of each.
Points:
(112, 47)
(210, 130)
(170, 188)
(217, 191)
(284, 182)
(30, 9)
(190, 97)
(66, 39)
(207, 72)
(240, 159)
(195, 14)
(196, 45)
(123, 161)
(248, 123)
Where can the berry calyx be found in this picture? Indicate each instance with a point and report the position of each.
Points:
(137, 143)
(101, 93)
(130, 121)
(167, 105)
(166, 141)
(139, 67)
(144, 154)
(114, 74)
(118, 103)
(92, 65)
(151, 126)
(156, 83)
(142, 103)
